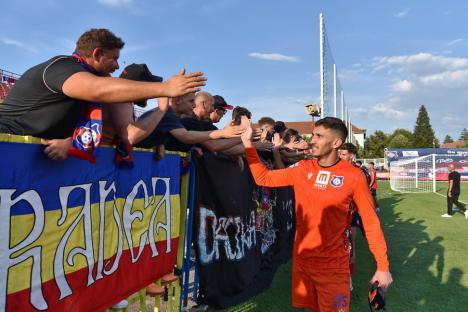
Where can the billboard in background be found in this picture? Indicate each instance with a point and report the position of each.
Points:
(443, 157)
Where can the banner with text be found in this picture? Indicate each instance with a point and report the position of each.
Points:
(243, 232)
(81, 237)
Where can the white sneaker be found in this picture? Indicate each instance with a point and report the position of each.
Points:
(120, 305)
(446, 215)
(466, 214)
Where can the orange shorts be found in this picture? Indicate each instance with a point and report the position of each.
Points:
(322, 290)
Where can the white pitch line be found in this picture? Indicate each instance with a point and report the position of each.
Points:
(446, 197)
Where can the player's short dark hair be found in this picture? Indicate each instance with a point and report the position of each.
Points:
(335, 124)
(350, 147)
(97, 38)
(358, 162)
(266, 120)
(371, 163)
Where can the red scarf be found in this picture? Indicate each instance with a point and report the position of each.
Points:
(88, 130)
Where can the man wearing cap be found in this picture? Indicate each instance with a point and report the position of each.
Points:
(220, 109)
(198, 121)
(48, 100)
(119, 121)
(176, 136)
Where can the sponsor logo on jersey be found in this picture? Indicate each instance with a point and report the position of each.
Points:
(322, 179)
(337, 181)
(309, 175)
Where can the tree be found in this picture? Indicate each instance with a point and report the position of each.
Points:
(448, 139)
(375, 145)
(464, 135)
(423, 135)
(400, 138)
(399, 141)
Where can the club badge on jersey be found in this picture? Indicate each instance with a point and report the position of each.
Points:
(337, 181)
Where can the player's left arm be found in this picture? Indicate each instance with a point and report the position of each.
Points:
(374, 234)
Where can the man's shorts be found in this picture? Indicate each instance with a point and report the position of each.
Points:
(373, 192)
(324, 290)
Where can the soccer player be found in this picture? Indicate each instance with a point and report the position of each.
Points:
(373, 185)
(324, 188)
(347, 152)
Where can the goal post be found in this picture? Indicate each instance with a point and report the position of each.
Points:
(414, 175)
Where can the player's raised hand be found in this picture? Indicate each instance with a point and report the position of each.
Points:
(232, 131)
(277, 140)
(246, 137)
(182, 83)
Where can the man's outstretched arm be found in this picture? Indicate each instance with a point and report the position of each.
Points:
(89, 87)
(374, 234)
(131, 131)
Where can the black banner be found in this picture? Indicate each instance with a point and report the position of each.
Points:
(242, 232)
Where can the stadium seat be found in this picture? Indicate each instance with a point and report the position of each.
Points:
(170, 281)
(155, 290)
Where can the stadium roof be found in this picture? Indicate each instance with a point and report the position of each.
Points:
(458, 143)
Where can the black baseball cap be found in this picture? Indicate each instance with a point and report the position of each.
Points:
(220, 103)
(139, 72)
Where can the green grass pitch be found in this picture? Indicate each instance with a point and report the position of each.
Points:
(428, 258)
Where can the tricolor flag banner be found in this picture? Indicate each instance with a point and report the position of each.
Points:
(76, 236)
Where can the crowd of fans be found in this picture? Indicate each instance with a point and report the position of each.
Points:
(44, 103)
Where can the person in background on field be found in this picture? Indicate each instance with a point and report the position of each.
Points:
(373, 185)
(453, 192)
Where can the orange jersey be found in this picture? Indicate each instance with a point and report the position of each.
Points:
(323, 196)
(373, 176)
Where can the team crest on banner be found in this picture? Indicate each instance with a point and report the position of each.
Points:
(337, 181)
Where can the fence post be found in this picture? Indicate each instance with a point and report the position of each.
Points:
(188, 237)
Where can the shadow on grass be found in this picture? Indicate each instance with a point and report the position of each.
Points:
(417, 264)
(417, 260)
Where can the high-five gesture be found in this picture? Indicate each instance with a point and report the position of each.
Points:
(231, 131)
(246, 137)
(277, 140)
(182, 83)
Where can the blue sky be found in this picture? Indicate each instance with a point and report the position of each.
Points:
(392, 56)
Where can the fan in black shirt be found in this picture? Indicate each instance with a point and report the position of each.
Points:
(45, 102)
